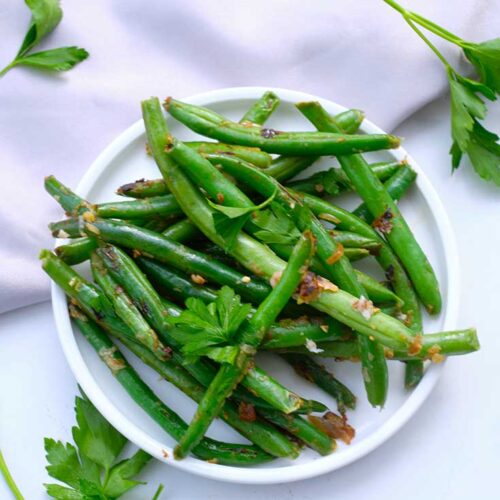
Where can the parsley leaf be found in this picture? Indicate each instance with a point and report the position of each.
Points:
(469, 136)
(484, 153)
(64, 464)
(95, 437)
(45, 16)
(229, 221)
(276, 226)
(485, 57)
(63, 493)
(120, 477)
(207, 330)
(62, 59)
(88, 470)
(465, 107)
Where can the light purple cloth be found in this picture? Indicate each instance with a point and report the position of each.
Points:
(360, 54)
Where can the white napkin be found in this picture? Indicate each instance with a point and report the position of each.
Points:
(360, 54)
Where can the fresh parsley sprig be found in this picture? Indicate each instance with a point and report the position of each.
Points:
(229, 221)
(90, 470)
(467, 104)
(209, 330)
(45, 16)
(11, 484)
(275, 226)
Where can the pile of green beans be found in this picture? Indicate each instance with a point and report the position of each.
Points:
(227, 216)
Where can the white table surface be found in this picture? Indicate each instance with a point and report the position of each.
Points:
(449, 449)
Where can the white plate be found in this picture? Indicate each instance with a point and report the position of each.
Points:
(125, 160)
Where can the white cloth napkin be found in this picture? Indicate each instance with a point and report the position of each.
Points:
(360, 54)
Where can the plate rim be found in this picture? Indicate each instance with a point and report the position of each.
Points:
(268, 475)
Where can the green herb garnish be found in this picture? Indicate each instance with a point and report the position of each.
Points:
(275, 226)
(229, 221)
(45, 16)
(208, 330)
(467, 105)
(4, 470)
(90, 469)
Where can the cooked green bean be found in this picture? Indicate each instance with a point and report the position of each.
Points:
(396, 186)
(432, 346)
(303, 430)
(387, 216)
(207, 449)
(334, 180)
(157, 206)
(125, 309)
(253, 255)
(331, 255)
(77, 251)
(272, 141)
(149, 243)
(314, 372)
(250, 336)
(262, 109)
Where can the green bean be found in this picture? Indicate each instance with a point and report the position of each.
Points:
(386, 213)
(377, 292)
(203, 173)
(350, 120)
(71, 202)
(253, 255)
(87, 295)
(182, 231)
(126, 310)
(250, 337)
(334, 180)
(294, 333)
(151, 244)
(143, 188)
(158, 225)
(258, 431)
(98, 307)
(433, 347)
(355, 254)
(314, 372)
(217, 186)
(158, 206)
(207, 449)
(283, 334)
(77, 251)
(124, 270)
(335, 265)
(354, 240)
(286, 167)
(172, 283)
(253, 155)
(396, 186)
(262, 109)
(303, 430)
(272, 141)
(395, 273)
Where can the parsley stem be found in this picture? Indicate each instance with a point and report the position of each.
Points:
(426, 23)
(428, 42)
(7, 68)
(158, 492)
(397, 7)
(9, 479)
(436, 29)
